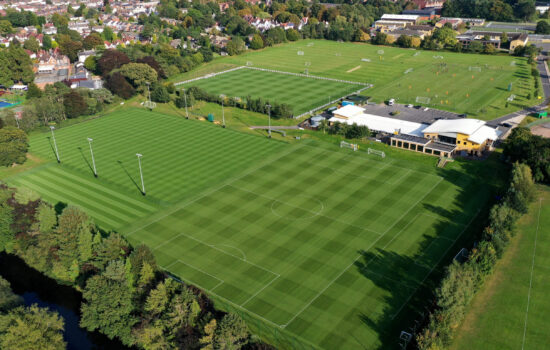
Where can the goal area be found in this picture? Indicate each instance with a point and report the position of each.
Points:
(353, 146)
(376, 152)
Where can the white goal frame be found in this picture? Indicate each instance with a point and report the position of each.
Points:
(423, 99)
(149, 104)
(377, 152)
(353, 146)
(474, 69)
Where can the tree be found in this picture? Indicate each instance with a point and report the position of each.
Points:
(108, 34)
(235, 46)
(7, 236)
(90, 63)
(139, 74)
(70, 48)
(13, 146)
(33, 91)
(379, 39)
(92, 40)
(31, 328)
(542, 27)
(292, 35)
(46, 42)
(231, 333)
(108, 305)
(74, 103)
(160, 93)
(118, 85)
(8, 300)
(46, 218)
(257, 42)
(31, 44)
(152, 62)
(5, 27)
(110, 60)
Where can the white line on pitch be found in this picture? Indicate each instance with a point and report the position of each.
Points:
(258, 292)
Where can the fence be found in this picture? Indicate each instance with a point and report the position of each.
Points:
(310, 112)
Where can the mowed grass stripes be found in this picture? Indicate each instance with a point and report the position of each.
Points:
(327, 245)
(302, 94)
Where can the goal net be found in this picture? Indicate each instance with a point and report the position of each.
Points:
(353, 146)
(300, 53)
(423, 99)
(474, 69)
(377, 152)
(149, 104)
(249, 63)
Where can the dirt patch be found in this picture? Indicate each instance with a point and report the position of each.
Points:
(541, 130)
(353, 69)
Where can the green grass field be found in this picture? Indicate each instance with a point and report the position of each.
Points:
(302, 94)
(512, 310)
(452, 87)
(321, 244)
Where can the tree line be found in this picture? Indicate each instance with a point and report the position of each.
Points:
(259, 105)
(125, 293)
(463, 280)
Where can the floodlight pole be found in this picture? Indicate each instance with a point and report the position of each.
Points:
(52, 128)
(149, 93)
(185, 99)
(223, 111)
(269, 120)
(139, 155)
(92, 152)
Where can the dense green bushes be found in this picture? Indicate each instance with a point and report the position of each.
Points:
(462, 281)
(533, 150)
(125, 293)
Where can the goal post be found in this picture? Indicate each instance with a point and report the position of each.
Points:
(353, 146)
(423, 99)
(376, 152)
(474, 69)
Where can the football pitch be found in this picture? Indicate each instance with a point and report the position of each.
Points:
(301, 93)
(511, 311)
(459, 82)
(327, 246)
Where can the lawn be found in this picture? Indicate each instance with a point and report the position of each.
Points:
(511, 312)
(403, 74)
(301, 93)
(311, 243)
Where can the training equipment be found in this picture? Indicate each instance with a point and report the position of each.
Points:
(438, 57)
(365, 59)
(380, 52)
(149, 104)
(377, 152)
(353, 146)
(474, 69)
(423, 99)
(511, 98)
(248, 63)
(300, 53)
(408, 71)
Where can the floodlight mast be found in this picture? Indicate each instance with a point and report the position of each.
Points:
(52, 128)
(139, 155)
(149, 93)
(269, 120)
(185, 99)
(92, 153)
(223, 111)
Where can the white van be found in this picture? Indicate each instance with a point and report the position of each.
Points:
(391, 102)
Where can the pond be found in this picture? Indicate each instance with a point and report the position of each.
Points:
(36, 288)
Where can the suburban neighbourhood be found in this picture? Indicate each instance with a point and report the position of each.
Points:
(274, 174)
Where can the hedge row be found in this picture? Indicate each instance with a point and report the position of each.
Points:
(462, 281)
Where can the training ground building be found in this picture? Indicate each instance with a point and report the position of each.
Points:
(444, 137)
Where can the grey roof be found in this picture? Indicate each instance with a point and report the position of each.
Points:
(441, 146)
(411, 138)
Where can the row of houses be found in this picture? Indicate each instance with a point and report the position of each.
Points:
(443, 137)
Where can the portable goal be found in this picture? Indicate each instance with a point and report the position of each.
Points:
(149, 104)
(474, 69)
(377, 152)
(300, 53)
(423, 99)
(353, 146)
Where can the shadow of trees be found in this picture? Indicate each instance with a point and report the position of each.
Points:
(410, 280)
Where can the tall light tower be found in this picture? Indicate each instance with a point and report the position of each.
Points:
(269, 120)
(149, 94)
(139, 155)
(185, 99)
(52, 128)
(92, 153)
(223, 111)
